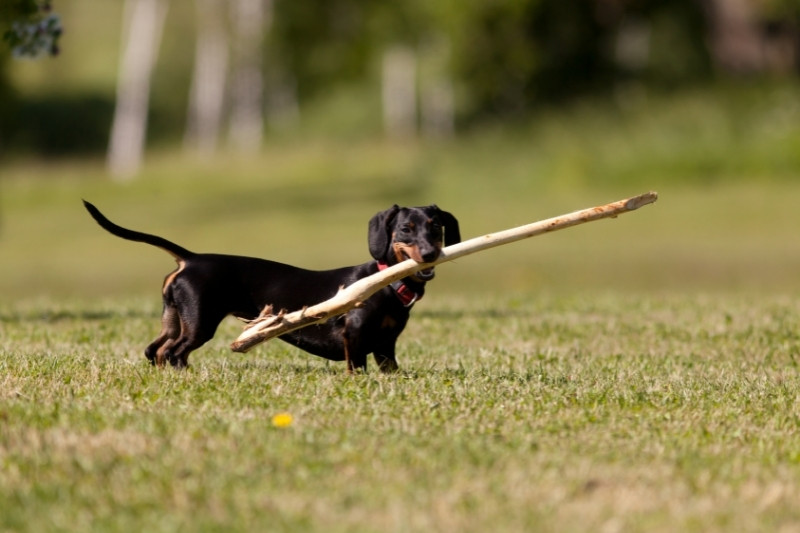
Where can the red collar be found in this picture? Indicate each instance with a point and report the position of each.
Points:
(404, 293)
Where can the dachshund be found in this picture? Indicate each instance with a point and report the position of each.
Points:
(205, 288)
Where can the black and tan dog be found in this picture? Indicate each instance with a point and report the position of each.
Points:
(205, 288)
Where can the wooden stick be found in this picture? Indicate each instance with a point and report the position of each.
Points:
(269, 325)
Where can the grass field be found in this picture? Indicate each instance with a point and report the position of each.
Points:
(639, 374)
(537, 412)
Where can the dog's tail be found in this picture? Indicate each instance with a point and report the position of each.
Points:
(178, 252)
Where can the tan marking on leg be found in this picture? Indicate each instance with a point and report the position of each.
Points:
(170, 278)
(160, 358)
(175, 334)
(347, 360)
(346, 345)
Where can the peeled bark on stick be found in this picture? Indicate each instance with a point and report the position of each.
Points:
(269, 325)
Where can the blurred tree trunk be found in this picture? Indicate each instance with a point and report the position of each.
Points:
(250, 20)
(437, 103)
(283, 108)
(143, 22)
(735, 42)
(207, 93)
(437, 109)
(399, 92)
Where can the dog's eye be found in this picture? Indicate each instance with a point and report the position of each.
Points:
(406, 229)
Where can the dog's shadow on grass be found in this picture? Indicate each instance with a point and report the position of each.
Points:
(459, 314)
(52, 316)
(433, 372)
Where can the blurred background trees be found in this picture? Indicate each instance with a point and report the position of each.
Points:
(30, 27)
(365, 67)
(268, 121)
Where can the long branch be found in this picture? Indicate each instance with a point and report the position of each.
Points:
(269, 325)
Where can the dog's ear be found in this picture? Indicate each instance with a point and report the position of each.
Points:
(380, 232)
(452, 234)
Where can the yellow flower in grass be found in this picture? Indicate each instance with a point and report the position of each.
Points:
(282, 420)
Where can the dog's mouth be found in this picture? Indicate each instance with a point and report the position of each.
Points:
(404, 251)
(426, 274)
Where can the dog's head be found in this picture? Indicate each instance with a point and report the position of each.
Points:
(417, 233)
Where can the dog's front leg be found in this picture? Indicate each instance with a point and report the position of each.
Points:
(353, 357)
(386, 362)
(353, 354)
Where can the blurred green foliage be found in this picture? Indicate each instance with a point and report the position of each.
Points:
(30, 28)
(507, 61)
(506, 56)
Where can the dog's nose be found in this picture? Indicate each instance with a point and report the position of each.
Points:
(430, 255)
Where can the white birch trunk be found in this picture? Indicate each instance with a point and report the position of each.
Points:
(399, 92)
(438, 109)
(207, 93)
(143, 25)
(250, 21)
(283, 108)
(437, 100)
(734, 40)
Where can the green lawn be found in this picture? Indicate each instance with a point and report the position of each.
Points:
(529, 412)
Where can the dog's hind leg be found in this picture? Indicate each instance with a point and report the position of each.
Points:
(170, 330)
(198, 324)
(177, 352)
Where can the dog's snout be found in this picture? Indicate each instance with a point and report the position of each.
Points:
(430, 255)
